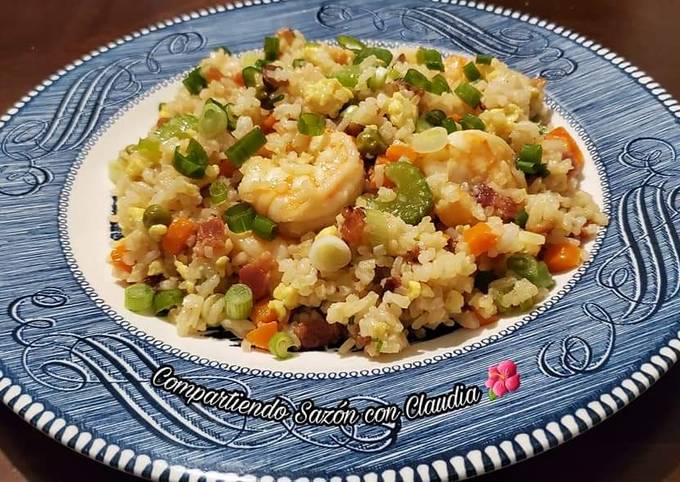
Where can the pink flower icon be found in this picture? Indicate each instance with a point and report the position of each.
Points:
(503, 378)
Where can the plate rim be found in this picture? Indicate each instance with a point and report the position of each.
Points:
(141, 465)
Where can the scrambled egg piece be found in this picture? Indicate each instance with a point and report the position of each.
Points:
(401, 110)
(327, 96)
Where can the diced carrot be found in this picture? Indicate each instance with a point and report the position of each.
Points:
(268, 124)
(262, 313)
(261, 335)
(480, 238)
(572, 148)
(457, 117)
(562, 257)
(213, 73)
(485, 321)
(238, 78)
(397, 151)
(179, 232)
(117, 254)
(227, 168)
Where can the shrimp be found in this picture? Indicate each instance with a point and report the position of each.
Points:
(473, 157)
(306, 192)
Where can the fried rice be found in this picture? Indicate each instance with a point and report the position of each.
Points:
(311, 195)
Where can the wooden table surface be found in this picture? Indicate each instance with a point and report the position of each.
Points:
(642, 443)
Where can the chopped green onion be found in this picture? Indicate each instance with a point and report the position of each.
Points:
(472, 122)
(350, 43)
(179, 127)
(161, 105)
(264, 227)
(416, 79)
(239, 217)
(349, 76)
(526, 266)
(139, 298)
(439, 85)
(471, 71)
(194, 81)
(431, 58)
(297, 63)
(246, 146)
(311, 124)
(449, 125)
(468, 94)
(192, 164)
(156, 214)
(529, 160)
(393, 74)
(231, 117)
(377, 80)
(279, 344)
(238, 302)
(164, 300)
(435, 117)
(149, 148)
(484, 59)
(218, 192)
(267, 101)
(531, 153)
(213, 120)
(521, 218)
(224, 48)
(259, 64)
(422, 124)
(383, 55)
(250, 76)
(271, 48)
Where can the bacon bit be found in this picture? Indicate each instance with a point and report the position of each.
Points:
(503, 205)
(161, 121)
(411, 255)
(269, 79)
(117, 254)
(210, 233)
(401, 58)
(352, 230)
(359, 341)
(317, 332)
(238, 79)
(268, 124)
(257, 274)
(213, 73)
(354, 129)
(391, 283)
(227, 168)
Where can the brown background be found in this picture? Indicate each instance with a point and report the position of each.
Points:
(640, 444)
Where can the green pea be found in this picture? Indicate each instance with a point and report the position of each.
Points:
(156, 214)
(370, 143)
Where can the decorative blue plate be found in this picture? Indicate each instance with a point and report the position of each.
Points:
(128, 392)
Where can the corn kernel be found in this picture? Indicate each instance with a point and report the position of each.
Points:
(414, 290)
(157, 231)
(328, 231)
(212, 171)
(279, 308)
(287, 295)
(221, 262)
(187, 286)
